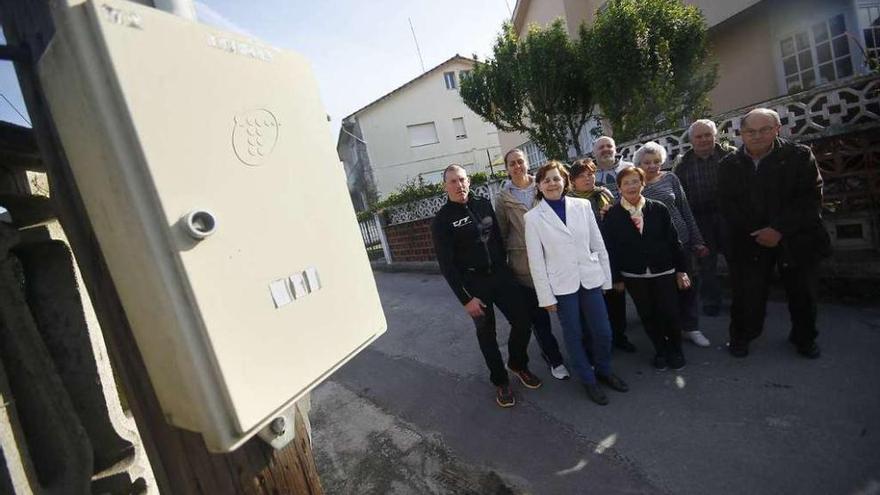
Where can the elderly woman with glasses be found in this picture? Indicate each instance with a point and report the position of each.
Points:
(583, 185)
(648, 260)
(570, 268)
(666, 188)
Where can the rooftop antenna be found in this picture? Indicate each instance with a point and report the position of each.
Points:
(416, 40)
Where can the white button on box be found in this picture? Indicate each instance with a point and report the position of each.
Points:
(280, 293)
(298, 285)
(314, 282)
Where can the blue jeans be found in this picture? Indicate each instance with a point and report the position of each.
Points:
(590, 304)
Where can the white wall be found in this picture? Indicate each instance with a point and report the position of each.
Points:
(384, 126)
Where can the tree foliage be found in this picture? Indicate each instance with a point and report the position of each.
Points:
(537, 85)
(651, 66)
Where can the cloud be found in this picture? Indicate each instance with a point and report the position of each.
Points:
(211, 17)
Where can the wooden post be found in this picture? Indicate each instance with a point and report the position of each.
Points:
(179, 459)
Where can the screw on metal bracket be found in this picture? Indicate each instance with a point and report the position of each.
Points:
(280, 431)
(278, 426)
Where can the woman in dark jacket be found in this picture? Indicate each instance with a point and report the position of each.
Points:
(649, 261)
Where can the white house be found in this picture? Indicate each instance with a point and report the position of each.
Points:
(416, 130)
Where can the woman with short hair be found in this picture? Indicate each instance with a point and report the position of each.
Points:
(583, 185)
(648, 260)
(665, 187)
(570, 268)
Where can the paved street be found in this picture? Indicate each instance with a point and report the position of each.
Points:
(415, 413)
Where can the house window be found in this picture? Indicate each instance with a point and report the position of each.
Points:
(458, 126)
(432, 177)
(449, 77)
(816, 55)
(869, 20)
(422, 134)
(463, 74)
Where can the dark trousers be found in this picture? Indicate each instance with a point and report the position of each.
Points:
(750, 285)
(656, 301)
(616, 304)
(689, 300)
(712, 228)
(501, 290)
(541, 327)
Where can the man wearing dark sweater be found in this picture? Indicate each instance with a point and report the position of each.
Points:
(472, 259)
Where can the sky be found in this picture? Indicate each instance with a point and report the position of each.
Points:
(359, 50)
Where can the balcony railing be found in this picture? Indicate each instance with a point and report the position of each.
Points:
(843, 107)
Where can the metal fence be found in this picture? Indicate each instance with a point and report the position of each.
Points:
(372, 241)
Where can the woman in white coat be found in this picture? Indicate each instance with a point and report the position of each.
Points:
(570, 269)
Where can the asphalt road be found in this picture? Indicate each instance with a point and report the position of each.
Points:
(415, 412)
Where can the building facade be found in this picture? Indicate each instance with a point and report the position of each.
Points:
(415, 132)
(765, 49)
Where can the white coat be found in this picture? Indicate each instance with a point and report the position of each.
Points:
(565, 256)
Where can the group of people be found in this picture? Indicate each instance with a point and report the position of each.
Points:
(573, 240)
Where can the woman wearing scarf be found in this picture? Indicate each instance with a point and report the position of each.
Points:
(583, 185)
(666, 188)
(648, 260)
(570, 268)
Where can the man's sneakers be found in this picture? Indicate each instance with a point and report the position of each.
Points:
(527, 378)
(504, 396)
(560, 372)
(698, 338)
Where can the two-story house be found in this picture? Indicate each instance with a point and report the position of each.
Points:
(417, 130)
(765, 48)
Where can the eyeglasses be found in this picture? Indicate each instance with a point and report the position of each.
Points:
(762, 131)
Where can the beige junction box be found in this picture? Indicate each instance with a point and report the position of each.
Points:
(207, 169)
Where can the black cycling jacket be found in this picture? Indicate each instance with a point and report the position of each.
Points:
(467, 240)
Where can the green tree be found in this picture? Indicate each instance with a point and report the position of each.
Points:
(537, 85)
(650, 64)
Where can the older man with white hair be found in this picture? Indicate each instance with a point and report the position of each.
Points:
(770, 193)
(698, 172)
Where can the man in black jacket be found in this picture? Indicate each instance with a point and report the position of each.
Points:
(473, 261)
(771, 198)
